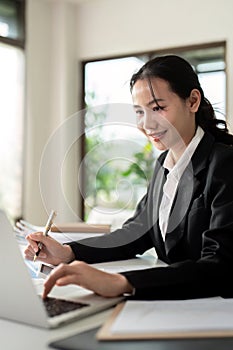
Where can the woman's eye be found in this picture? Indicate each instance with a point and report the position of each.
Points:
(157, 108)
(139, 113)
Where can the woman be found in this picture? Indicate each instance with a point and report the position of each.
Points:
(187, 213)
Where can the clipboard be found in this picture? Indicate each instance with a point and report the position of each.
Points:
(105, 333)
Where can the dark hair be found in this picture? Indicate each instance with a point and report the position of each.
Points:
(182, 80)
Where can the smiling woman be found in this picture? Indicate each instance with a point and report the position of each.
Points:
(187, 212)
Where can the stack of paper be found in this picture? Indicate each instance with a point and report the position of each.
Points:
(211, 317)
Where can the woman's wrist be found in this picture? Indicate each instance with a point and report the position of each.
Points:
(69, 255)
(125, 286)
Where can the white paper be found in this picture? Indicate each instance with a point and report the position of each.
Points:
(174, 316)
(140, 263)
(66, 237)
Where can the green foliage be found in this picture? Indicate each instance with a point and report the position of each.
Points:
(102, 174)
(141, 169)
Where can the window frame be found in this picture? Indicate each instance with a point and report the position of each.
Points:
(149, 55)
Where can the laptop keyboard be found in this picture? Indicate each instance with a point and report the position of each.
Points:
(57, 307)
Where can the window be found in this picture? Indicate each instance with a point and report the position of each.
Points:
(209, 63)
(12, 20)
(12, 106)
(114, 183)
(118, 161)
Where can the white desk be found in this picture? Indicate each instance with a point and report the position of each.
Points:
(15, 336)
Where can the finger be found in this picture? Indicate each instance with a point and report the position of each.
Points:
(69, 279)
(33, 244)
(34, 238)
(29, 251)
(28, 256)
(48, 285)
(50, 282)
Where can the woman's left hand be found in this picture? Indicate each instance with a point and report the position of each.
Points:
(100, 282)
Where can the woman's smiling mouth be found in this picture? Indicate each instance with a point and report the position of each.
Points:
(157, 136)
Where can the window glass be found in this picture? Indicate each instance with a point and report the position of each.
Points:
(11, 130)
(214, 85)
(112, 141)
(10, 19)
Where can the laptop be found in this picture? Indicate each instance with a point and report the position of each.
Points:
(19, 300)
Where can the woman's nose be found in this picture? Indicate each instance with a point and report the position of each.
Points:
(150, 122)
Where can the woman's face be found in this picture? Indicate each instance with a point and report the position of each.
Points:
(168, 121)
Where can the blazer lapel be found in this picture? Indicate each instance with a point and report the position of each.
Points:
(188, 186)
(156, 196)
(176, 224)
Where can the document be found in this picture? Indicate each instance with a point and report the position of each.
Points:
(140, 263)
(68, 227)
(66, 233)
(158, 319)
(67, 237)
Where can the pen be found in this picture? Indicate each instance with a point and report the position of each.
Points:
(46, 231)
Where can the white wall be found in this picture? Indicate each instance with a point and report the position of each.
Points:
(110, 27)
(52, 96)
(62, 33)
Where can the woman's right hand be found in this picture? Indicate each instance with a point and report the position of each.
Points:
(52, 251)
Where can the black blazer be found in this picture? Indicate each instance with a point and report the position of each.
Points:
(199, 244)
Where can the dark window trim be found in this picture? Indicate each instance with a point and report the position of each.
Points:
(164, 51)
(82, 139)
(21, 4)
(13, 42)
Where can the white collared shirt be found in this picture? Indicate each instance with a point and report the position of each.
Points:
(175, 172)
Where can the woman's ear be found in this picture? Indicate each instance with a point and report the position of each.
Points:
(194, 100)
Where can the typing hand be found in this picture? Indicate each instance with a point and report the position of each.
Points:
(102, 283)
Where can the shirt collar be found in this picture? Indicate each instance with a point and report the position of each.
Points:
(177, 169)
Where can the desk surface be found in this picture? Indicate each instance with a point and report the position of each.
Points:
(15, 336)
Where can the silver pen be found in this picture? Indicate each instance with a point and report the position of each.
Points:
(46, 231)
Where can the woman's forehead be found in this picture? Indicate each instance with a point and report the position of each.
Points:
(147, 90)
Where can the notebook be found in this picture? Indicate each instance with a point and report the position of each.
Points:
(19, 300)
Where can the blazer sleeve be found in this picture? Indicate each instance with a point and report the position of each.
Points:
(211, 274)
(133, 238)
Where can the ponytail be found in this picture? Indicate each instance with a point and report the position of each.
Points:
(206, 118)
